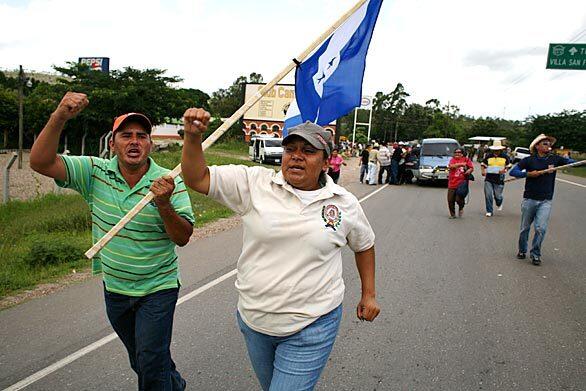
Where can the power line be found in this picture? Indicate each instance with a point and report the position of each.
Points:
(524, 76)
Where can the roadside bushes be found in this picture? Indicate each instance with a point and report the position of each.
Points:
(42, 239)
(46, 250)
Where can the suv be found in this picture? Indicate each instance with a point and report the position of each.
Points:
(520, 153)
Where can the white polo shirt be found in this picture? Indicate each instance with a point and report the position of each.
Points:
(290, 269)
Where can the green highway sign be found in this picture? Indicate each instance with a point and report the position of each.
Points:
(566, 56)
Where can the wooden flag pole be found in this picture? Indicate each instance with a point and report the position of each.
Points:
(575, 164)
(224, 127)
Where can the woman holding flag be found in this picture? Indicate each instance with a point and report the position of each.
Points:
(289, 278)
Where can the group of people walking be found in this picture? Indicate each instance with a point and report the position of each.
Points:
(540, 174)
(289, 275)
(296, 223)
(376, 160)
(494, 166)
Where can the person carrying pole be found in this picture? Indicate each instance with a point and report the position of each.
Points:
(139, 266)
(539, 169)
(289, 280)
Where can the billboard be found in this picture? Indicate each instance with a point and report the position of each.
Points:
(272, 106)
(101, 64)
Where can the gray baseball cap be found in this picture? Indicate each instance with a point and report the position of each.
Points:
(313, 134)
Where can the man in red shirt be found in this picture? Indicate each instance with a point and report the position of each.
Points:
(460, 168)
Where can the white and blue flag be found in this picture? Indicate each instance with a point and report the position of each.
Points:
(329, 83)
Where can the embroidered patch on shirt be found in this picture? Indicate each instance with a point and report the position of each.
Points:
(332, 216)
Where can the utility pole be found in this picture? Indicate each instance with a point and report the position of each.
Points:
(446, 130)
(354, 127)
(21, 81)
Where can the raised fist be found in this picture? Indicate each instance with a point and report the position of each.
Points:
(195, 121)
(71, 105)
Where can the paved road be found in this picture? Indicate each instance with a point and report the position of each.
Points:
(458, 311)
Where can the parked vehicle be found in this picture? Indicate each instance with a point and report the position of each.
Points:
(434, 156)
(520, 153)
(266, 150)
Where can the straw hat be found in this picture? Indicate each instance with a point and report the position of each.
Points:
(497, 145)
(539, 139)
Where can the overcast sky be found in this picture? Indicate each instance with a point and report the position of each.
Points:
(487, 57)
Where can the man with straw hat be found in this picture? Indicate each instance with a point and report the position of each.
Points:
(538, 195)
(494, 167)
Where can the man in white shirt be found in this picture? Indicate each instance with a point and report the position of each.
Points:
(384, 160)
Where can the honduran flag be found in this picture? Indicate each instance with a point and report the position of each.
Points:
(329, 83)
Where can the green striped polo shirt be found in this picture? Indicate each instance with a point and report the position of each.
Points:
(141, 259)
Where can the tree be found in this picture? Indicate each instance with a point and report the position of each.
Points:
(485, 127)
(185, 98)
(225, 101)
(10, 83)
(433, 104)
(414, 121)
(8, 115)
(110, 94)
(441, 126)
(361, 137)
(387, 108)
(38, 106)
(569, 127)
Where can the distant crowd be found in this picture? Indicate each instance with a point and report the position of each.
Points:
(379, 163)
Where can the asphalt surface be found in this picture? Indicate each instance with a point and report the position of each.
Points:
(459, 312)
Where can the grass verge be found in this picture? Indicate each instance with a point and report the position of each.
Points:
(44, 239)
(576, 171)
(205, 209)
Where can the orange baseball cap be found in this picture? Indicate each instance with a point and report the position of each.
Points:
(138, 117)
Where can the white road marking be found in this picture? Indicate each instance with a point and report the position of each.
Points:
(373, 193)
(570, 182)
(61, 363)
(110, 337)
(205, 287)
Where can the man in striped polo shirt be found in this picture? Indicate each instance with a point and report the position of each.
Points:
(139, 266)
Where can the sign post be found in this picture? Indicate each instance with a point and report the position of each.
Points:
(566, 56)
(365, 104)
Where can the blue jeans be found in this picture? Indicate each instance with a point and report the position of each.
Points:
(295, 362)
(394, 172)
(363, 171)
(537, 213)
(493, 191)
(145, 324)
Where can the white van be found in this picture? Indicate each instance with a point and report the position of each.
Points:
(266, 150)
(434, 156)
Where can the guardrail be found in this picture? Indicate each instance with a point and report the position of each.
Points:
(6, 187)
(104, 145)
